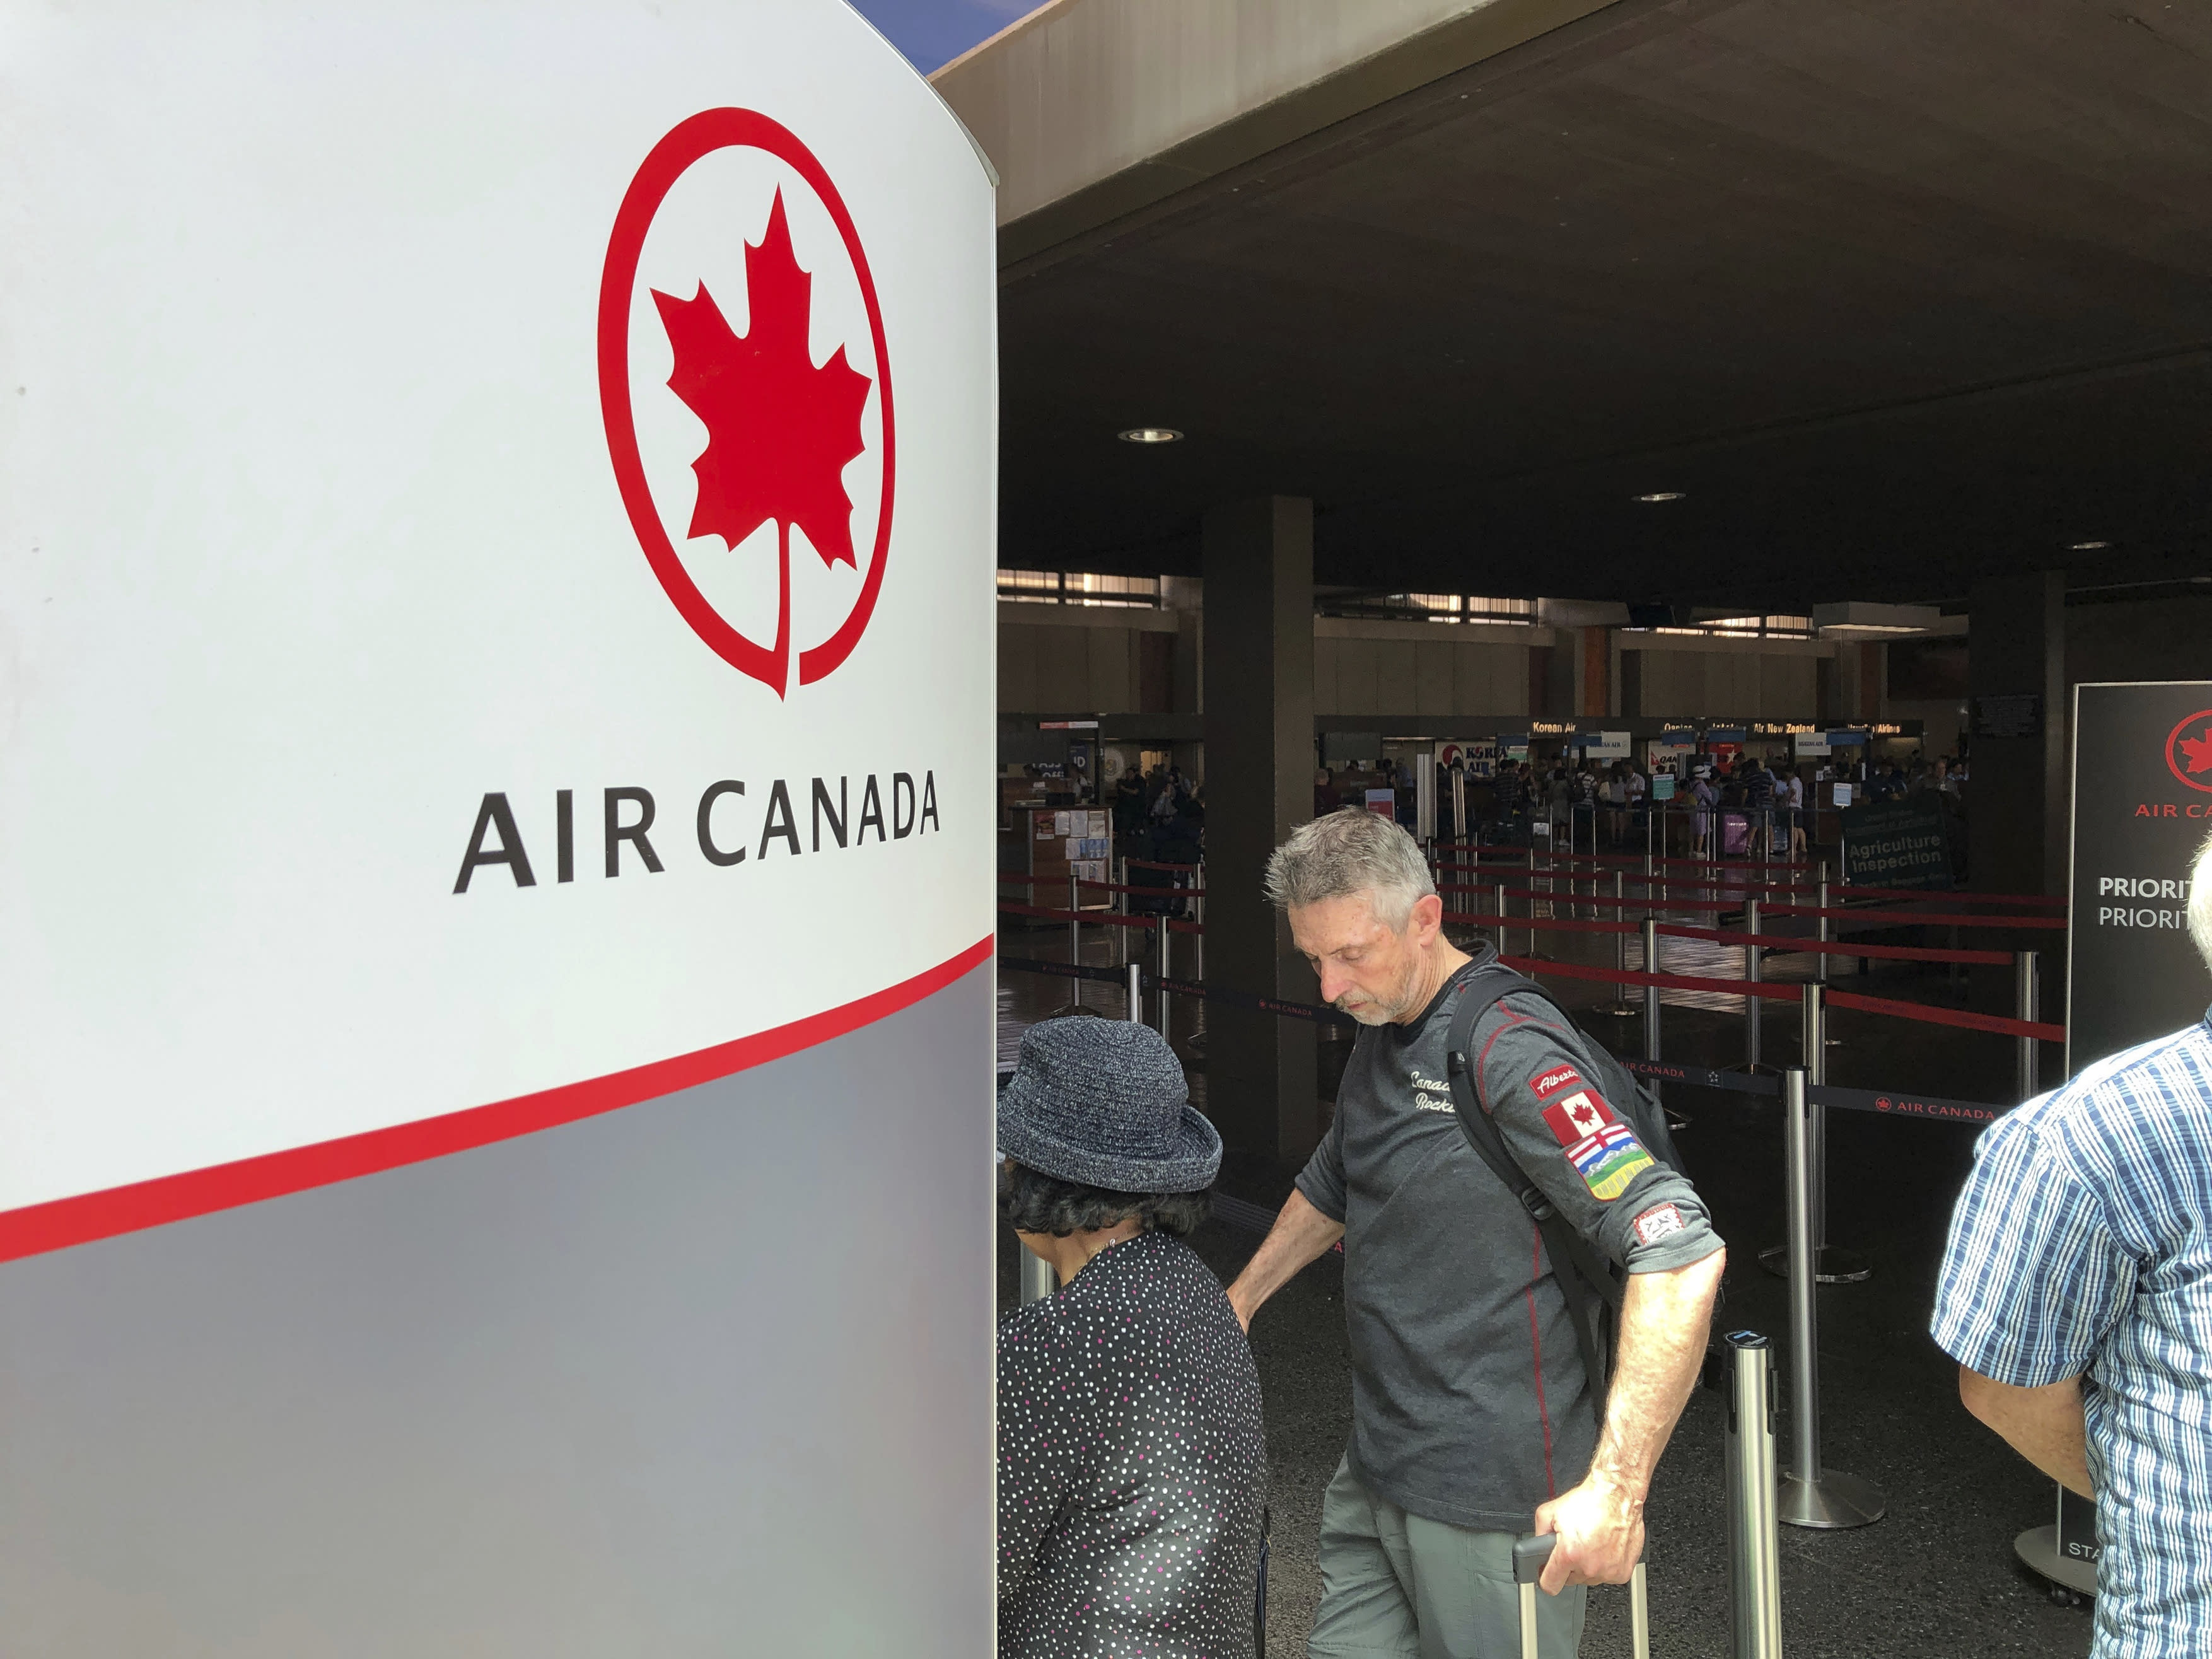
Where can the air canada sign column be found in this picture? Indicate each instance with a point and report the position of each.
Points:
(495, 1117)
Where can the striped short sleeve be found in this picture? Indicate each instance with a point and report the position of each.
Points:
(2033, 1279)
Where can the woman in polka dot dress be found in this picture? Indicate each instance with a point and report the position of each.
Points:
(1133, 1469)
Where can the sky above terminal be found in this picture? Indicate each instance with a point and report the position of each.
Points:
(932, 33)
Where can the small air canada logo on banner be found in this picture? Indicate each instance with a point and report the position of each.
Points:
(746, 389)
(2189, 750)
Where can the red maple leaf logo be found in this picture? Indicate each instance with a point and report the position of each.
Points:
(780, 430)
(2198, 751)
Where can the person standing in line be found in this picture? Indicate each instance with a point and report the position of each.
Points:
(1474, 1420)
(1615, 791)
(1703, 798)
(1793, 812)
(1757, 807)
(2076, 1296)
(1132, 1460)
(1508, 793)
(1560, 805)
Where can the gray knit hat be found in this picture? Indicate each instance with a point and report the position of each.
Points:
(1102, 1102)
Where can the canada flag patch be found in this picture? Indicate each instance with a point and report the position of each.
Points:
(1656, 1222)
(1577, 1116)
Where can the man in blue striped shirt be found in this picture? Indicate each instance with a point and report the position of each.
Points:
(2076, 1297)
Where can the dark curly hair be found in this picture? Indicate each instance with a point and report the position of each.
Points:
(1037, 1203)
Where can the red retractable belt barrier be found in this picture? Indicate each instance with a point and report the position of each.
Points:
(1914, 918)
(1098, 918)
(1148, 892)
(1773, 944)
(1147, 864)
(1890, 1006)
(1634, 865)
(1960, 1017)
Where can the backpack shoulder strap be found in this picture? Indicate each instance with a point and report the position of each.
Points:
(1574, 1265)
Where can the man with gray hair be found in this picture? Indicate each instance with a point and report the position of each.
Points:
(2076, 1297)
(1473, 1418)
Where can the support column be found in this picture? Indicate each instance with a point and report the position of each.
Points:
(2016, 645)
(1259, 670)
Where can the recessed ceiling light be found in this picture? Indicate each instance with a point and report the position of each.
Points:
(1151, 435)
(2085, 547)
(1661, 496)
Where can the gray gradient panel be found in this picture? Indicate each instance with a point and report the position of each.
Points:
(711, 1375)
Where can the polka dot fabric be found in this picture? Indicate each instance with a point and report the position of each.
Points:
(1133, 1466)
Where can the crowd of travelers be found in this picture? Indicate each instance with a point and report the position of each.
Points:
(1492, 1395)
(1744, 807)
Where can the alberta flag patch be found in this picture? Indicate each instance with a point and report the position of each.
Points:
(1608, 1160)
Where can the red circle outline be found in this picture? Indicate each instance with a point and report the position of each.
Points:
(2202, 714)
(688, 142)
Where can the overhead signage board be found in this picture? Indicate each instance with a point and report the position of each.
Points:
(2142, 806)
(1606, 745)
(495, 917)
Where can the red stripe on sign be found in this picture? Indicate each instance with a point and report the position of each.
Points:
(37, 1228)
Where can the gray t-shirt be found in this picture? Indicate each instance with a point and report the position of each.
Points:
(1469, 1401)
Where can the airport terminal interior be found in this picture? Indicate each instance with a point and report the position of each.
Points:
(1768, 412)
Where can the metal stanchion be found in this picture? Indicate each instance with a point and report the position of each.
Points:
(1754, 1541)
(2027, 999)
(1036, 1278)
(1503, 947)
(1198, 916)
(1811, 1496)
(1120, 906)
(1166, 1035)
(1832, 1264)
(1620, 1006)
(1075, 937)
(1820, 934)
(1651, 992)
(1675, 1122)
(1135, 995)
(1751, 971)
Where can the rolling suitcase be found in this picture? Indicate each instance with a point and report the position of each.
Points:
(1530, 1554)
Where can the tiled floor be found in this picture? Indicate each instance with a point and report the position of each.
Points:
(1937, 1576)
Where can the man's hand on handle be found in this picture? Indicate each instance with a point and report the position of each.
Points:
(1599, 1526)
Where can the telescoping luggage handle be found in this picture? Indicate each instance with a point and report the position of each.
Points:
(1529, 1555)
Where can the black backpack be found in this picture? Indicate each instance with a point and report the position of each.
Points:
(1592, 1285)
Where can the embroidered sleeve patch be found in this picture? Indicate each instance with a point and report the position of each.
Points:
(1577, 1116)
(1655, 1223)
(1608, 1160)
(1554, 1079)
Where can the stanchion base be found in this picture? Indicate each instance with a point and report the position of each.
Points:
(2038, 1549)
(1830, 1504)
(1832, 1264)
(1066, 1009)
(1618, 1009)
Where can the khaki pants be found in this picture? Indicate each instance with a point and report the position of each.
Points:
(1404, 1586)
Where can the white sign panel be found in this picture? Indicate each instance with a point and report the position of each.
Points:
(495, 544)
